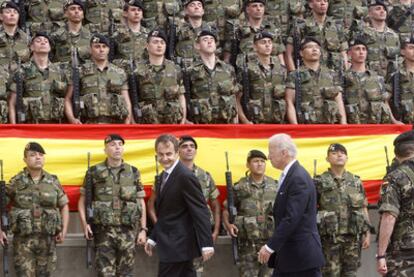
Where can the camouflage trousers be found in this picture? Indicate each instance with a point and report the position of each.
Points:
(34, 255)
(343, 257)
(401, 264)
(248, 265)
(115, 251)
(198, 266)
(4, 110)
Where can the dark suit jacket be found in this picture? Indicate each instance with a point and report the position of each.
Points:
(183, 225)
(296, 239)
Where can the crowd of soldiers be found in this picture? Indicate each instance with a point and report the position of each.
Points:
(197, 61)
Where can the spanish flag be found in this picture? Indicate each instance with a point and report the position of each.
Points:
(67, 146)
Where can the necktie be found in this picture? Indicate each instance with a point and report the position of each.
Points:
(163, 180)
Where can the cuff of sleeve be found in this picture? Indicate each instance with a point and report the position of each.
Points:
(207, 249)
(270, 250)
(151, 242)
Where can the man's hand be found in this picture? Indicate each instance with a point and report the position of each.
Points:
(207, 254)
(142, 238)
(215, 235)
(75, 121)
(263, 255)
(59, 238)
(88, 232)
(232, 230)
(3, 238)
(366, 240)
(148, 248)
(382, 266)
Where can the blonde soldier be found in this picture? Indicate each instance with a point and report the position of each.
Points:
(39, 215)
(103, 89)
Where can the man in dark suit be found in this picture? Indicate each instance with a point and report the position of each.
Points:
(295, 245)
(182, 231)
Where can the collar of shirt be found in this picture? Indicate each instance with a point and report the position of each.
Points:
(172, 167)
(289, 165)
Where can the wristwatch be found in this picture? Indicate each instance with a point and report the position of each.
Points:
(379, 257)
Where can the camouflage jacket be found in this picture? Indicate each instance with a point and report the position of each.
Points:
(130, 44)
(65, 40)
(44, 15)
(398, 14)
(35, 205)
(116, 194)
(282, 12)
(4, 87)
(341, 203)
(345, 11)
(160, 88)
(267, 91)
(213, 93)
(364, 97)
(254, 204)
(160, 13)
(43, 92)
(97, 14)
(13, 48)
(397, 198)
(319, 90)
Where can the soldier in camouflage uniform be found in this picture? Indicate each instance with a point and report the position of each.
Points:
(254, 197)
(44, 16)
(160, 13)
(395, 253)
(44, 86)
(343, 220)
(212, 87)
(98, 14)
(103, 89)
(39, 215)
(325, 30)
(401, 20)
(72, 34)
(382, 41)
(405, 109)
(4, 109)
(13, 41)
(321, 96)
(244, 30)
(345, 11)
(119, 211)
(266, 80)
(160, 85)
(365, 96)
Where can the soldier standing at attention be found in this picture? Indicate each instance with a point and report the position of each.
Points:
(160, 85)
(342, 215)
(118, 201)
(103, 89)
(266, 78)
(213, 87)
(321, 97)
(39, 215)
(44, 86)
(396, 236)
(365, 96)
(254, 197)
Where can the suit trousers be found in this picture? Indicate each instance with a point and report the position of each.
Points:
(180, 269)
(314, 272)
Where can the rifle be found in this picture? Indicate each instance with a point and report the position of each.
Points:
(20, 114)
(314, 167)
(298, 94)
(111, 28)
(22, 13)
(296, 44)
(4, 221)
(76, 103)
(231, 208)
(192, 112)
(388, 167)
(396, 90)
(402, 19)
(234, 48)
(171, 37)
(89, 210)
(246, 93)
(134, 91)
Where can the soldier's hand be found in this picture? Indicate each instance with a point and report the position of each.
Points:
(142, 238)
(59, 238)
(3, 238)
(188, 122)
(148, 249)
(232, 230)
(88, 232)
(382, 266)
(207, 254)
(75, 121)
(366, 240)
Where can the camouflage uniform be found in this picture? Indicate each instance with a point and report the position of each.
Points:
(213, 93)
(160, 13)
(43, 93)
(13, 48)
(330, 35)
(44, 15)
(254, 204)
(397, 199)
(341, 222)
(117, 210)
(100, 92)
(318, 90)
(97, 14)
(129, 45)
(396, 15)
(267, 91)
(4, 109)
(344, 11)
(364, 98)
(35, 219)
(64, 41)
(160, 88)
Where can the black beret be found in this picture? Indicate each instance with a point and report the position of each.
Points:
(41, 34)
(186, 2)
(255, 1)
(111, 137)
(337, 147)
(74, 2)
(99, 38)
(406, 137)
(377, 3)
(307, 40)
(357, 41)
(407, 40)
(10, 5)
(34, 146)
(187, 138)
(207, 32)
(157, 33)
(136, 3)
(255, 154)
(261, 35)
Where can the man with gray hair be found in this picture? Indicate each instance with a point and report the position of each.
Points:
(295, 240)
